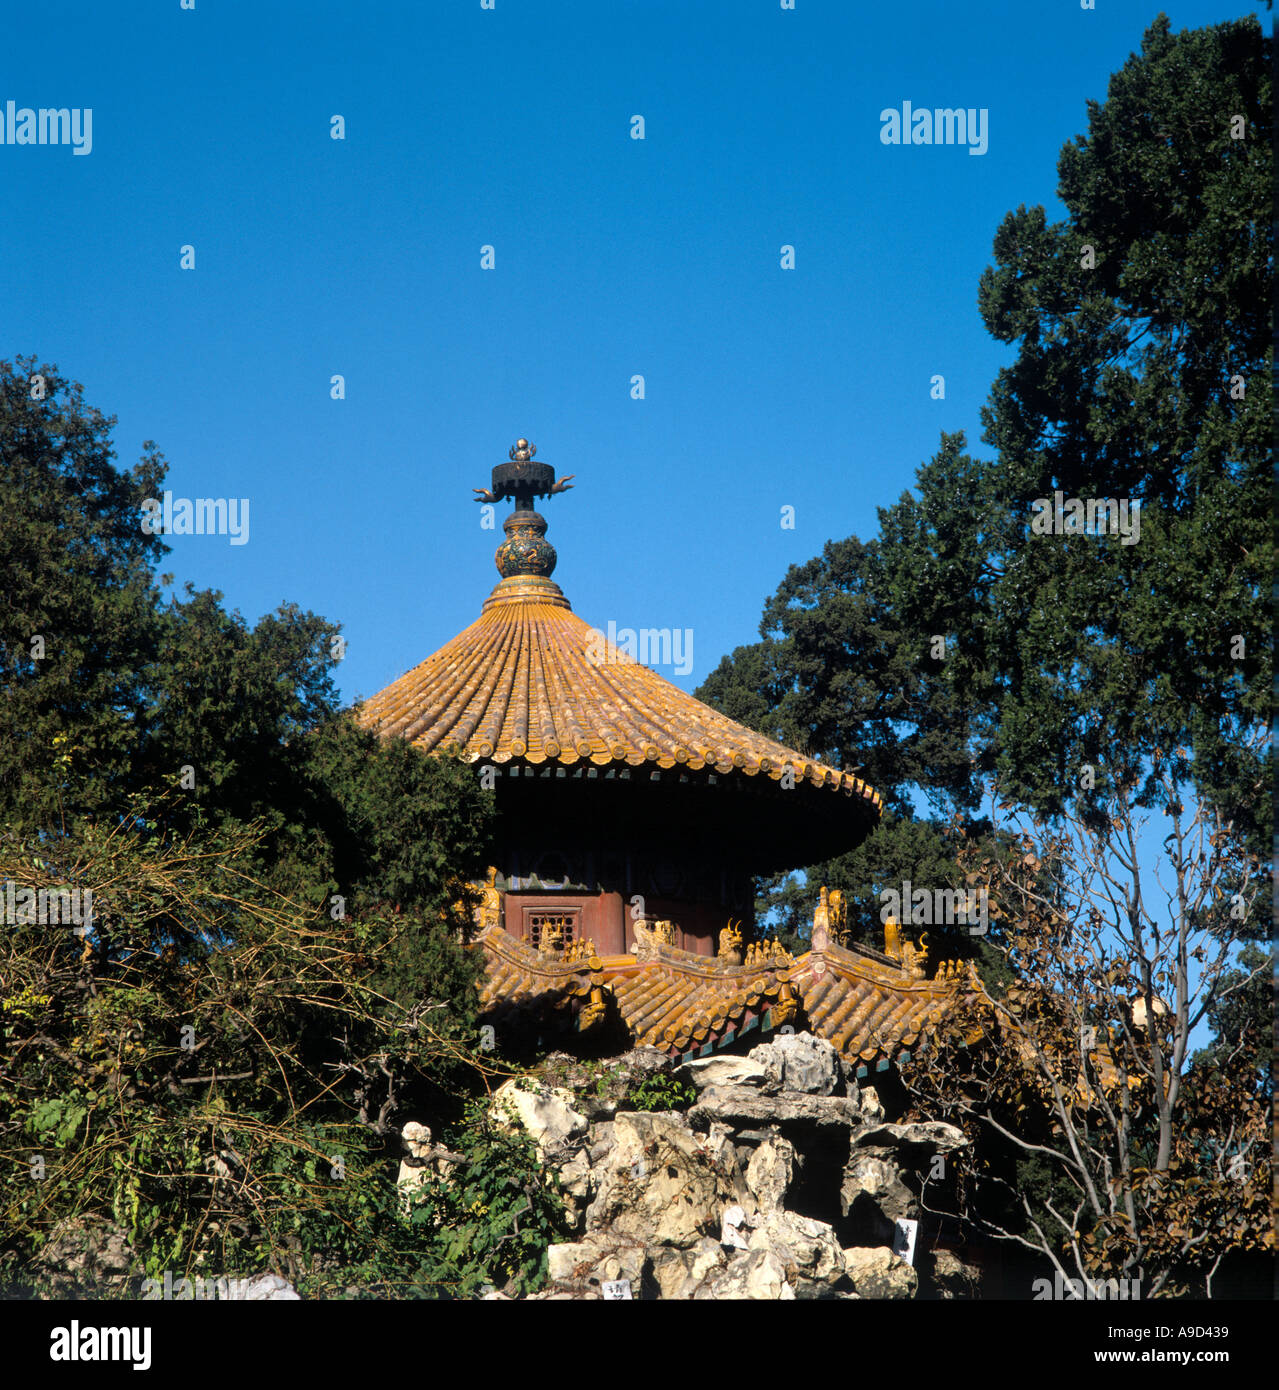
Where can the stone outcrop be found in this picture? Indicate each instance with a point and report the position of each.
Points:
(923, 1139)
(743, 1105)
(697, 1205)
(756, 1274)
(951, 1277)
(726, 1071)
(91, 1257)
(877, 1273)
(658, 1182)
(874, 1194)
(801, 1062)
(546, 1112)
(422, 1161)
(601, 1256)
(769, 1172)
(268, 1288)
(807, 1250)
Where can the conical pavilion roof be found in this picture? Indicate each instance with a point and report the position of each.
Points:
(529, 681)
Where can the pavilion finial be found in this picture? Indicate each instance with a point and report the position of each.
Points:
(525, 551)
(523, 479)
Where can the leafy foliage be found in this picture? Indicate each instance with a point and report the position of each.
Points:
(214, 1068)
(490, 1219)
(275, 967)
(1084, 680)
(78, 597)
(660, 1091)
(1145, 378)
(838, 678)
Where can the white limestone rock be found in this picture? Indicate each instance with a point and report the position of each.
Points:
(755, 1274)
(807, 1249)
(658, 1184)
(801, 1062)
(870, 1107)
(770, 1171)
(680, 1273)
(546, 1112)
(581, 1269)
(926, 1138)
(877, 1273)
(724, 1071)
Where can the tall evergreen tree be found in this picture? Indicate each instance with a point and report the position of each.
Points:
(79, 602)
(1069, 662)
(838, 677)
(1142, 376)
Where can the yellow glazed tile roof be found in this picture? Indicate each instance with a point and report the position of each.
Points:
(866, 1005)
(531, 680)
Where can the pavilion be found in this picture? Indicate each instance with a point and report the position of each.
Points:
(631, 822)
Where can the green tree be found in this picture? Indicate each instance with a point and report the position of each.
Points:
(1142, 374)
(1243, 1043)
(135, 692)
(284, 883)
(1080, 663)
(79, 603)
(215, 1074)
(837, 676)
(901, 847)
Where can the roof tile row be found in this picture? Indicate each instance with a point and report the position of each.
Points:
(866, 1006)
(531, 680)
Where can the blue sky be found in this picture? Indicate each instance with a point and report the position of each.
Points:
(764, 387)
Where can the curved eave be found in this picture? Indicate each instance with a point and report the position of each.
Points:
(530, 681)
(867, 1006)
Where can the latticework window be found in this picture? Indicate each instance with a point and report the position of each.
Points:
(549, 931)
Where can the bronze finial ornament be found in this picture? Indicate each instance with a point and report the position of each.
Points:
(523, 479)
(525, 551)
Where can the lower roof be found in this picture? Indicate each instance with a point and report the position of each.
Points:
(871, 1008)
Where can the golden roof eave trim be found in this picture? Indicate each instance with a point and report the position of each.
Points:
(673, 999)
